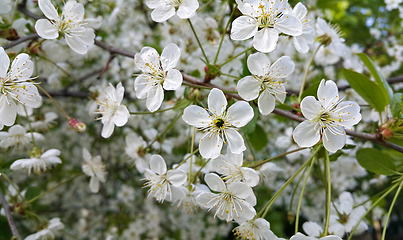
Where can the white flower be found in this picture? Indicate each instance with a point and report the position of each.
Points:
(300, 236)
(326, 118)
(165, 9)
(392, 4)
(6, 6)
(18, 135)
(49, 232)
(265, 82)
(95, 169)
(113, 113)
(126, 194)
(330, 36)
(181, 197)
(38, 161)
(231, 201)
(43, 124)
(220, 125)
(308, 31)
(70, 24)
(258, 229)
(160, 180)
(230, 166)
(268, 170)
(16, 87)
(264, 20)
(158, 74)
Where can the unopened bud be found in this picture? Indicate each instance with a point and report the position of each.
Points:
(290, 216)
(77, 125)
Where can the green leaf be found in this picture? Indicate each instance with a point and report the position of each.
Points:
(367, 89)
(311, 90)
(258, 138)
(335, 156)
(375, 161)
(250, 127)
(32, 192)
(396, 105)
(379, 79)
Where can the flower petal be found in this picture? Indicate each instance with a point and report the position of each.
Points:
(266, 102)
(310, 108)
(328, 93)
(265, 40)
(76, 44)
(176, 177)
(214, 182)
(210, 145)
(243, 27)
(142, 86)
(147, 60)
(158, 165)
(239, 189)
(305, 135)
(258, 64)
(170, 56)
(196, 116)
(239, 114)
(249, 88)
(107, 129)
(173, 80)
(22, 67)
(121, 116)
(94, 184)
(333, 142)
(187, 9)
(216, 101)
(8, 111)
(46, 29)
(155, 98)
(48, 9)
(235, 141)
(4, 63)
(162, 13)
(282, 68)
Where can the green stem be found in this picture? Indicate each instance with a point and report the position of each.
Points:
(295, 190)
(249, 146)
(276, 157)
(300, 196)
(306, 72)
(239, 54)
(198, 41)
(184, 160)
(198, 172)
(370, 209)
(54, 102)
(390, 210)
(228, 75)
(223, 35)
(30, 127)
(160, 111)
(53, 188)
(12, 184)
(329, 193)
(204, 6)
(204, 87)
(191, 162)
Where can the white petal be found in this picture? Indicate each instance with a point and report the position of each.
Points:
(51, 153)
(188, 8)
(176, 177)
(155, 98)
(8, 111)
(88, 36)
(312, 229)
(239, 189)
(170, 56)
(249, 88)
(162, 13)
(46, 29)
(214, 182)
(243, 27)
(265, 40)
(266, 102)
(282, 68)
(333, 142)
(73, 11)
(235, 141)
(196, 116)
(258, 64)
(299, 236)
(173, 80)
(76, 44)
(305, 135)
(4, 63)
(210, 145)
(153, 3)
(48, 9)
(142, 86)
(247, 7)
(245, 210)
(348, 113)
(22, 67)
(239, 114)
(310, 107)
(147, 60)
(328, 93)
(289, 25)
(158, 165)
(94, 184)
(300, 44)
(121, 116)
(205, 199)
(107, 129)
(216, 101)
(86, 155)
(251, 176)
(299, 11)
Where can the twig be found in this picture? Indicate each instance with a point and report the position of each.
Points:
(111, 57)
(8, 216)
(21, 40)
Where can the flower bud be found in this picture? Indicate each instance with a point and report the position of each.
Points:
(77, 125)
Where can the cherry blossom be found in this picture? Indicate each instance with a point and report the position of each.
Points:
(94, 168)
(165, 9)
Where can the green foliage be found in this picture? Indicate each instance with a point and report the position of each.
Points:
(375, 161)
(311, 90)
(258, 138)
(32, 192)
(396, 105)
(367, 89)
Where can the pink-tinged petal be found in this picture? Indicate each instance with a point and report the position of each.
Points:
(46, 29)
(147, 60)
(205, 200)
(265, 40)
(239, 114)
(4, 63)
(300, 44)
(142, 86)
(214, 182)
(210, 145)
(107, 129)
(235, 141)
(162, 13)
(196, 116)
(217, 102)
(305, 135)
(310, 108)
(289, 25)
(251, 177)
(243, 27)
(73, 11)
(187, 9)
(158, 165)
(173, 80)
(258, 64)
(333, 142)
(170, 56)
(155, 98)
(48, 9)
(249, 88)
(239, 189)
(328, 93)
(266, 102)
(76, 44)
(312, 229)
(121, 116)
(94, 184)
(176, 177)
(8, 111)
(282, 68)
(22, 67)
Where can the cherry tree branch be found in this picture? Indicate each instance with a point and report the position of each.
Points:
(20, 40)
(8, 216)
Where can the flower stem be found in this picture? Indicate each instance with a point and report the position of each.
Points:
(53, 100)
(184, 160)
(329, 193)
(390, 209)
(239, 54)
(276, 157)
(223, 35)
(198, 41)
(160, 111)
(195, 176)
(306, 73)
(300, 197)
(191, 162)
(30, 127)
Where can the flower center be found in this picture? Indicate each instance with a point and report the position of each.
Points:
(219, 123)
(175, 3)
(267, 19)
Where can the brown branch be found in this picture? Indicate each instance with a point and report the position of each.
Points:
(8, 216)
(20, 40)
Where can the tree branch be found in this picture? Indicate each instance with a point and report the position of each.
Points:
(20, 40)
(8, 216)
